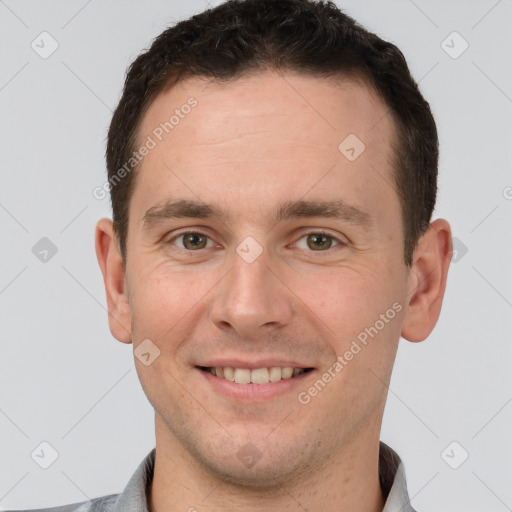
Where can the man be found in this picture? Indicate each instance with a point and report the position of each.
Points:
(272, 168)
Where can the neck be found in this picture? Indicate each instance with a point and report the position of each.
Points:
(348, 481)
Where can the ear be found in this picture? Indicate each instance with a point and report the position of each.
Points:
(112, 268)
(427, 281)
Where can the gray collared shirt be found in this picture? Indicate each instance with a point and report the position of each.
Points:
(133, 498)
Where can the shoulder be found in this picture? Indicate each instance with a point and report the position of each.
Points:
(102, 504)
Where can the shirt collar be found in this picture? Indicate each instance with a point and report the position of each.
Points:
(392, 481)
(391, 476)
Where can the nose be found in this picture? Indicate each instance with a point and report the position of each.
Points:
(252, 297)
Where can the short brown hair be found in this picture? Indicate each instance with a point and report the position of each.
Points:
(312, 37)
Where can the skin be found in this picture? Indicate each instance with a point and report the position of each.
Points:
(247, 146)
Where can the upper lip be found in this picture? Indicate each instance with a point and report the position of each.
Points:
(252, 364)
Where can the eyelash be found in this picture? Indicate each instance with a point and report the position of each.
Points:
(339, 242)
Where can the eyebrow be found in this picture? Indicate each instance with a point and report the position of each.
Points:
(181, 208)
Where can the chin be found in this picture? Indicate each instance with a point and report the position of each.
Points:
(261, 477)
(268, 467)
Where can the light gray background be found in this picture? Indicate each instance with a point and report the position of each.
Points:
(65, 380)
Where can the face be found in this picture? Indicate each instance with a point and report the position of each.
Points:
(257, 242)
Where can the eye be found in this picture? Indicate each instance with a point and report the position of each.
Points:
(318, 241)
(191, 241)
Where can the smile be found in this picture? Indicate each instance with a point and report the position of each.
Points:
(255, 376)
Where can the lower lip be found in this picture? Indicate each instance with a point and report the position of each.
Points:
(255, 392)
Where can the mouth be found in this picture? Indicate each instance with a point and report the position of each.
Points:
(258, 376)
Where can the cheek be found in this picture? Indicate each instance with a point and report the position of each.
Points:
(165, 299)
(352, 304)
(155, 303)
(343, 296)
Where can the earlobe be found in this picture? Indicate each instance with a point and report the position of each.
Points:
(427, 281)
(112, 268)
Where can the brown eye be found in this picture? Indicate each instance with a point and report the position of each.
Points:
(192, 241)
(319, 241)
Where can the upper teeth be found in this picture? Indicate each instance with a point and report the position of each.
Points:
(257, 376)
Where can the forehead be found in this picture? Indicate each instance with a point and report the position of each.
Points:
(266, 135)
(331, 106)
